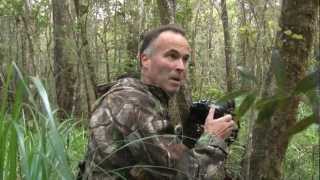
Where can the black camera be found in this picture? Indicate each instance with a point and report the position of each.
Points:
(193, 126)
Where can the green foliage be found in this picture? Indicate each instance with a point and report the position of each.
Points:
(303, 151)
(32, 145)
(249, 31)
(302, 157)
(35, 146)
(246, 103)
(307, 84)
(293, 35)
(184, 13)
(75, 138)
(210, 93)
(40, 11)
(130, 66)
(11, 7)
(273, 26)
(214, 93)
(266, 106)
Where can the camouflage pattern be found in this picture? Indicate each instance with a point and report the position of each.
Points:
(132, 137)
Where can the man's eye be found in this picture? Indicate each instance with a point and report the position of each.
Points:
(174, 56)
(186, 58)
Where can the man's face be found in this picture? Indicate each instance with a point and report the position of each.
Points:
(165, 66)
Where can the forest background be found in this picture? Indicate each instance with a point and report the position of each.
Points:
(56, 57)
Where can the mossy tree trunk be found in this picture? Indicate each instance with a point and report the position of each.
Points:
(270, 135)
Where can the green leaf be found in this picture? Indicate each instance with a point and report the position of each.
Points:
(5, 93)
(267, 106)
(243, 29)
(232, 95)
(306, 84)
(54, 136)
(267, 111)
(246, 104)
(287, 32)
(313, 98)
(246, 75)
(297, 36)
(301, 125)
(22, 151)
(5, 121)
(23, 83)
(12, 155)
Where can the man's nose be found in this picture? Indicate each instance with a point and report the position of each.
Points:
(180, 65)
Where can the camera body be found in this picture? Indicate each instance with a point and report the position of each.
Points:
(193, 126)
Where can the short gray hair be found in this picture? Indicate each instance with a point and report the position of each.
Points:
(153, 34)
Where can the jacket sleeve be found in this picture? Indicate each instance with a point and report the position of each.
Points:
(151, 140)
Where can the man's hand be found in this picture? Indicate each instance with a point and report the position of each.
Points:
(221, 127)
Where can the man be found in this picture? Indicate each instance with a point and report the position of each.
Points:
(131, 135)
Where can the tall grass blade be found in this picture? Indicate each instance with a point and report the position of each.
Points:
(13, 144)
(23, 152)
(56, 142)
(3, 122)
(31, 144)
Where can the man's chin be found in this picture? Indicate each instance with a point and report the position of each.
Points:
(172, 91)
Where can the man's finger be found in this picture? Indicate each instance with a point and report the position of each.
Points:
(226, 118)
(211, 112)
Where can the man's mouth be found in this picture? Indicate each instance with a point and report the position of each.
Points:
(175, 79)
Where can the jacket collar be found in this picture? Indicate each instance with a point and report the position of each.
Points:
(154, 90)
(159, 93)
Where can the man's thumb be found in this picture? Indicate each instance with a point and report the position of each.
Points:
(211, 112)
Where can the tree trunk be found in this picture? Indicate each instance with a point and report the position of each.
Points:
(63, 58)
(317, 57)
(192, 64)
(167, 11)
(243, 44)
(29, 32)
(84, 53)
(104, 40)
(82, 13)
(270, 137)
(227, 44)
(133, 24)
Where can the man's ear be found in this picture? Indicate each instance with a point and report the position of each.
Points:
(144, 60)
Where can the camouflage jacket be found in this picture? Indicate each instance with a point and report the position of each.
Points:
(132, 137)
